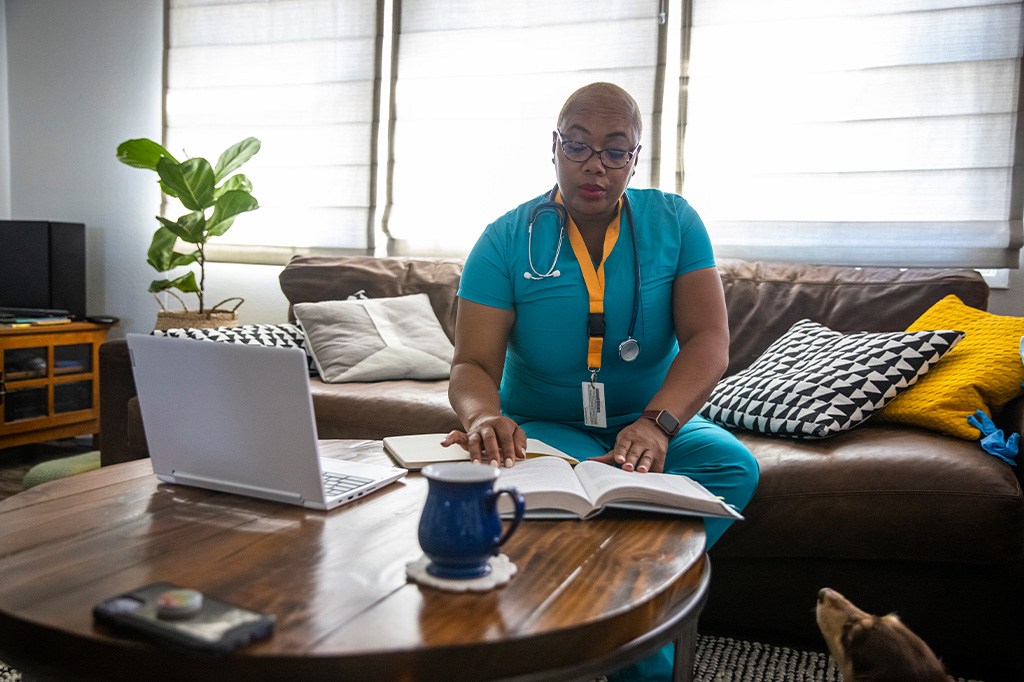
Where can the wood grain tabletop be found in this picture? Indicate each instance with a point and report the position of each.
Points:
(335, 580)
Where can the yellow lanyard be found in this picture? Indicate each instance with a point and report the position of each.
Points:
(594, 280)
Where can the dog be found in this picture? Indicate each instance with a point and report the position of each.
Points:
(871, 648)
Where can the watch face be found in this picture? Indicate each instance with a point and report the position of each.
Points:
(668, 423)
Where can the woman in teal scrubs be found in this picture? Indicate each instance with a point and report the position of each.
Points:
(593, 318)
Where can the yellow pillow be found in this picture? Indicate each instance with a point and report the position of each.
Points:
(982, 372)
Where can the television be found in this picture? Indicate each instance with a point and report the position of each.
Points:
(42, 267)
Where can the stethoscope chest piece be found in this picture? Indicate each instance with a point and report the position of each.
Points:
(629, 349)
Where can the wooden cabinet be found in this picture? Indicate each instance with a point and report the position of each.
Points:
(49, 382)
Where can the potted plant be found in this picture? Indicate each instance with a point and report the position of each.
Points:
(213, 195)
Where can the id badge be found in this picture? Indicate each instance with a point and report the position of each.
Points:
(593, 404)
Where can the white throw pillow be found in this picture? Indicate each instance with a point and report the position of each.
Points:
(376, 339)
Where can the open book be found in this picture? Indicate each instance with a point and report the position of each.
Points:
(554, 489)
(417, 451)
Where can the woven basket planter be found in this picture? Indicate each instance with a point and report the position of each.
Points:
(217, 316)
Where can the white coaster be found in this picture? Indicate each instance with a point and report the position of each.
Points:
(502, 570)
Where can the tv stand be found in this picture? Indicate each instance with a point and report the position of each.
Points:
(49, 381)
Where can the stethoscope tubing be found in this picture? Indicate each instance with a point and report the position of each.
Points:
(630, 348)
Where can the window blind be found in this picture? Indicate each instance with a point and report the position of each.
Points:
(300, 75)
(479, 84)
(881, 132)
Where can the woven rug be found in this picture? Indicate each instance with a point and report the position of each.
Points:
(723, 659)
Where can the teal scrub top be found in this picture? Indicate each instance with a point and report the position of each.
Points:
(546, 359)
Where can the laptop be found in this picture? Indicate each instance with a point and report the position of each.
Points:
(238, 418)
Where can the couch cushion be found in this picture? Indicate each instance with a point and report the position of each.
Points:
(378, 409)
(376, 339)
(984, 372)
(880, 492)
(814, 382)
(766, 299)
(324, 278)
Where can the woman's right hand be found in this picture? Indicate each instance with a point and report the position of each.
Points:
(495, 440)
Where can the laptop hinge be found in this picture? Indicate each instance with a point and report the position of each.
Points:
(237, 488)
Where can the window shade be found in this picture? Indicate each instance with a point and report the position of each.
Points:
(878, 132)
(479, 87)
(300, 76)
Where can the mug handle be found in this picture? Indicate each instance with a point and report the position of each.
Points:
(520, 505)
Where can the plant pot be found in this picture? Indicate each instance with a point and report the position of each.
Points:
(209, 319)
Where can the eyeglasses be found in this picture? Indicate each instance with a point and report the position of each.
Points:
(611, 158)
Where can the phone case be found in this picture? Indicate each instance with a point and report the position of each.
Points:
(217, 627)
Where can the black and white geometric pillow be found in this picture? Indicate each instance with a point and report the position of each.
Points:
(814, 382)
(285, 335)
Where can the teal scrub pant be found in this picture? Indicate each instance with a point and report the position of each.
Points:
(701, 450)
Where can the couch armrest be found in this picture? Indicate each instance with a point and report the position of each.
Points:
(117, 387)
(1011, 418)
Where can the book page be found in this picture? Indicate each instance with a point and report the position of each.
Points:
(417, 451)
(611, 486)
(538, 448)
(548, 484)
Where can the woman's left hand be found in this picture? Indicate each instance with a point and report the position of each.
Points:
(639, 447)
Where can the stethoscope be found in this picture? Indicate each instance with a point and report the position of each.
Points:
(630, 348)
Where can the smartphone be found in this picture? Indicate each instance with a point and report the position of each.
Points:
(164, 613)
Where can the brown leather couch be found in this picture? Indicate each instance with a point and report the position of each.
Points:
(897, 518)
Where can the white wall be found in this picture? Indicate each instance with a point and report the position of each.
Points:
(1010, 301)
(5, 139)
(83, 76)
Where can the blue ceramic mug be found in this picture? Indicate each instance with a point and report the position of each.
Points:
(460, 529)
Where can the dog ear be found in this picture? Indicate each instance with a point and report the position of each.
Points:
(865, 650)
(875, 655)
(882, 649)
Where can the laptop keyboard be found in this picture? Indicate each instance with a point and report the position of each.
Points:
(339, 484)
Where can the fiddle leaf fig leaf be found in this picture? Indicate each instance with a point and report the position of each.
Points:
(186, 283)
(229, 205)
(236, 181)
(193, 226)
(234, 156)
(162, 256)
(169, 191)
(158, 285)
(142, 153)
(184, 227)
(161, 249)
(191, 180)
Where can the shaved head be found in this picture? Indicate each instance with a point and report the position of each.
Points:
(606, 98)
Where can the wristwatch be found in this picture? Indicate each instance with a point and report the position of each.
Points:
(665, 421)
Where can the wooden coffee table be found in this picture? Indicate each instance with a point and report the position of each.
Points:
(589, 596)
